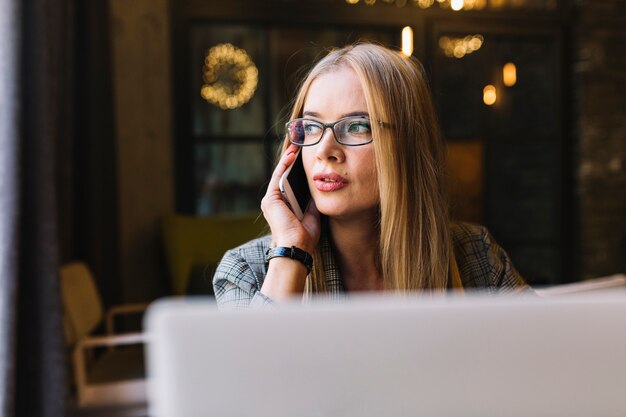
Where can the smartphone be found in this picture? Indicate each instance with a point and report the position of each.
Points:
(294, 187)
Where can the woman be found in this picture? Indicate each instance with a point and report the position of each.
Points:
(378, 219)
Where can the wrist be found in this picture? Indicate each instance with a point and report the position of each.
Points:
(285, 279)
(288, 243)
(293, 252)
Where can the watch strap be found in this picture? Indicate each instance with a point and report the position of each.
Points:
(293, 252)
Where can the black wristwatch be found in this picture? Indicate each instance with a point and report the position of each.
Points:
(293, 253)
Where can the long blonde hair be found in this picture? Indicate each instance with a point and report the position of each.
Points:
(414, 237)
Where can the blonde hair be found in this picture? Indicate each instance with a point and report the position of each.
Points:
(414, 238)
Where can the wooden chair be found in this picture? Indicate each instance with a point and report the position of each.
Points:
(112, 377)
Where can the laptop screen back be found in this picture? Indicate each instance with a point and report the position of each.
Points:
(391, 357)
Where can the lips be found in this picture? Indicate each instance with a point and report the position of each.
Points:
(329, 181)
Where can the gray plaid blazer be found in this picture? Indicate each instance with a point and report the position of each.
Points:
(481, 261)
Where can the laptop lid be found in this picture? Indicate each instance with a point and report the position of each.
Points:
(473, 356)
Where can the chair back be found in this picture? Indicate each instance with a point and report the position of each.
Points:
(81, 301)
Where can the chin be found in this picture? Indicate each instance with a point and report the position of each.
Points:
(343, 212)
(330, 208)
(338, 207)
(332, 211)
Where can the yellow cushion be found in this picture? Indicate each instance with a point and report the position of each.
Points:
(192, 240)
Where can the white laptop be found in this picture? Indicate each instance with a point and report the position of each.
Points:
(391, 357)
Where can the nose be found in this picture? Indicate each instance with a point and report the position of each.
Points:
(328, 148)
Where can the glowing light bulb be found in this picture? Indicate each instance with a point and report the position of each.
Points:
(489, 95)
(509, 74)
(407, 41)
(456, 5)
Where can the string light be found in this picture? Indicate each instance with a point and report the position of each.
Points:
(489, 95)
(407, 41)
(424, 4)
(456, 5)
(459, 47)
(230, 77)
(509, 74)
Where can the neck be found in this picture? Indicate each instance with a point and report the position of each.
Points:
(356, 250)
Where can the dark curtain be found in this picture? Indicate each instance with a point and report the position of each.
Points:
(9, 148)
(35, 41)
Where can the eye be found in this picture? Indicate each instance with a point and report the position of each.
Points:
(311, 128)
(360, 127)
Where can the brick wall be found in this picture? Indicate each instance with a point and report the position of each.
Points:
(600, 113)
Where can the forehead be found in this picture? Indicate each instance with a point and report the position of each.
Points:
(335, 93)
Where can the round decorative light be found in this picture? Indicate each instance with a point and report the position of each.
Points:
(230, 76)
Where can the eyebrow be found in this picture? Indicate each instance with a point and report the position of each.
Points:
(354, 113)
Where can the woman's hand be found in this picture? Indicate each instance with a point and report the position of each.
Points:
(287, 230)
(286, 277)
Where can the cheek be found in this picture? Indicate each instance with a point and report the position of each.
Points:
(368, 164)
(371, 175)
(373, 181)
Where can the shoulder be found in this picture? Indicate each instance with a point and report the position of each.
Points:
(467, 233)
(252, 252)
(247, 257)
(482, 262)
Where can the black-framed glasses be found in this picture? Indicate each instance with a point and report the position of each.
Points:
(349, 131)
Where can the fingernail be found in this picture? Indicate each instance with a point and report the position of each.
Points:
(290, 152)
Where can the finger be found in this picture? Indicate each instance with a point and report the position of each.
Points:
(292, 148)
(285, 161)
